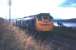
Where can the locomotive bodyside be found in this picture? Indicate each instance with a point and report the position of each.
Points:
(26, 22)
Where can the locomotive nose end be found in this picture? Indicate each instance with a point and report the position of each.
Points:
(44, 26)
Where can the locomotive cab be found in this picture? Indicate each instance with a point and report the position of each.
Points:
(44, 22)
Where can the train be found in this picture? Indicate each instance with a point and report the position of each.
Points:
(39, 22)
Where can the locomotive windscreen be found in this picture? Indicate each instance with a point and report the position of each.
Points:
(44, 16)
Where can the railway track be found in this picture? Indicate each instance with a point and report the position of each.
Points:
(55, 41)
(66, 43)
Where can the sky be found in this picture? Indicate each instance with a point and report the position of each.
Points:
(59, 9)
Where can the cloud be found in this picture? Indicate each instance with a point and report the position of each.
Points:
(68, 3)
(64, 13)
(23, 8)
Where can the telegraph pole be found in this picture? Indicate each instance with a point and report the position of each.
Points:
(9, 2)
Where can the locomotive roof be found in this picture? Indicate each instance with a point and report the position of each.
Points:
(32, 16)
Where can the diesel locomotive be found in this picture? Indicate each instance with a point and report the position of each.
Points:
(39, 22)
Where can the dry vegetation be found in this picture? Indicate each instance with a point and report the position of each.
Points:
(27, 42)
